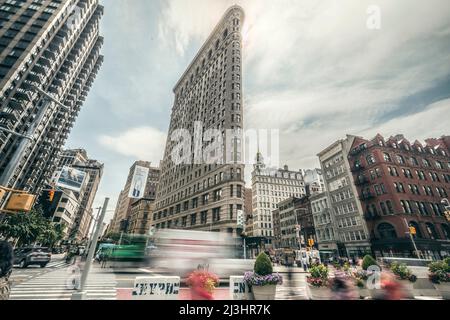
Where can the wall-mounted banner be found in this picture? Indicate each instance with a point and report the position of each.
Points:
(71, 178)
(156, 288)
(138, 182)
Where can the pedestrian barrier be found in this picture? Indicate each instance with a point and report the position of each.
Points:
(156, 288)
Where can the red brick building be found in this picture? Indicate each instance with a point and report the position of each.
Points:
(400, 184)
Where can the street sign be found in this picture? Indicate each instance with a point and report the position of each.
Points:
(240, 219)
(20, 202)
(156, 288)
(239, 290)
(2, 193)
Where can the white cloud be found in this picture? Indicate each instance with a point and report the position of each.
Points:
(144, 143)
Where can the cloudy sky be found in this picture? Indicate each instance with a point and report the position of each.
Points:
(312, 69)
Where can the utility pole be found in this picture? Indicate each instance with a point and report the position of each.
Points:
(81, 293)
(412, 238)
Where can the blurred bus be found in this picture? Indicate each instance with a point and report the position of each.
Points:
(179, 252)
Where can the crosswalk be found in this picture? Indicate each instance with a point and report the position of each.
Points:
(60, 284)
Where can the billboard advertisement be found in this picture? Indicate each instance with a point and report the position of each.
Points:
(71, 178)
(138, 182)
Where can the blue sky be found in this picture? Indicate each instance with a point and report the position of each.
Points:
(311, 69)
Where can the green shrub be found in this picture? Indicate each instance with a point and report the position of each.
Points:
(402, 272)
(263, 266)
(447, 261)
(368, 261)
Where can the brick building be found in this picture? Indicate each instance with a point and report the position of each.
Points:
(290, 213)
(400, 184)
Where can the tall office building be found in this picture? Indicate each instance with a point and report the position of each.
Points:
(78, 159)
(352, 233)
(49, 57)
(269, 188)
(122, 214)
(199, 194)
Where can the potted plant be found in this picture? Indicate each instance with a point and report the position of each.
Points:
(405, 277)
(439, 274)
(262, 280)
(202, 284)
(373, 284)
(318, 283)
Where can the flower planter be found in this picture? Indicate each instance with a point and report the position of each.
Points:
(444, 289)
(201, 294)
(319, 293)
(266, 292)
(408, 288)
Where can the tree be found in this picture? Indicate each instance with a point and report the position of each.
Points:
(27, 228)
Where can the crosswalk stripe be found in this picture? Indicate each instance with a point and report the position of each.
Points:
(56, 285)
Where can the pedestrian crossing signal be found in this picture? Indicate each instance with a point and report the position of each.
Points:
(412, 231)
(311, 242)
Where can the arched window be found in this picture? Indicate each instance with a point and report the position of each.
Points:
(400, 159)
(387, 157)
(432, 231)
(370, 159)
(386, 231)
(446, 231)
(414, 224)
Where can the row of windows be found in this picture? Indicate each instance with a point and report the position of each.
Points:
(349, 222)
(370, 159)
(217, 215)
(407, 173)
(347, 194)
(353, 236)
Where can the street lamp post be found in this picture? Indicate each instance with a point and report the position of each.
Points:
(81, 293)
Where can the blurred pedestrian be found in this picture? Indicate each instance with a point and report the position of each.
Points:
(6, 264)
(392, 289)
(342, 289)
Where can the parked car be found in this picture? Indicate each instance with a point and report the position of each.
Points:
(58, 250)
(27, 256)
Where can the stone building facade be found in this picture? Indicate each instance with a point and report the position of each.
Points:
(352, 233)
(197, 192)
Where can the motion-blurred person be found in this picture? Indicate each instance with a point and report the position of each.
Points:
(6, 264)
(392, 288)
(342, 289)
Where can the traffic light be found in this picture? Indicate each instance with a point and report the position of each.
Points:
(51, 195)
(412, 230)
(447, 215)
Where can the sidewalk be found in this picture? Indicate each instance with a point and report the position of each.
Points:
(283, 269)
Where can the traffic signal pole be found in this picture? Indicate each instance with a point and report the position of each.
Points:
(81, 293)
(412, 239)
